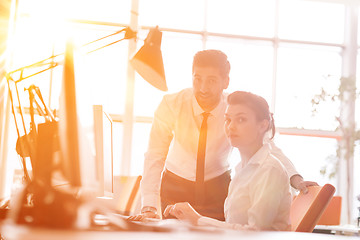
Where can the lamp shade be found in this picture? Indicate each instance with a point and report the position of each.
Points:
(148, 61)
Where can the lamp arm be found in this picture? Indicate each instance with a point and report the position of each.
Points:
(39, 63)
(42, 108)
(129, 34)
(52, 65)
(122, 30)
(106, 45)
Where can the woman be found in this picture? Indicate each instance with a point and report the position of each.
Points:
(259, 194)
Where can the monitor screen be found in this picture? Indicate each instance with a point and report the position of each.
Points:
(68, 123)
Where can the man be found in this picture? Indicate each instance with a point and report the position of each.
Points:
(174, 170)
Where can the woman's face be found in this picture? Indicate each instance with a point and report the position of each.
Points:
(242, 127)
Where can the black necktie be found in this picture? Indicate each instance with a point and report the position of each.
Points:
(200, 162)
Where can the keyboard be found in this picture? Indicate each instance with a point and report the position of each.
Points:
(118, 222)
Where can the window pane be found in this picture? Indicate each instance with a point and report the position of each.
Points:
(357, 103)
(104, 70)
(356, 169)
(234, 159)
(105, 10)
(302, 73)
(32, 42)
(139, 147)
(117, 11)
(309, 155)
(358, 27)
(356, 181)
(184, 14)
(311, 21)
(246, 60)
(178, 51)
(241, 17)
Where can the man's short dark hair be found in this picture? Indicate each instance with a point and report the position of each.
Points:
(212, 58)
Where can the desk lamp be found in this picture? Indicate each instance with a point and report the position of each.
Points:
(147, 62)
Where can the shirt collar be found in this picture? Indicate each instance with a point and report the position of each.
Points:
(220, 108)
(257, 159)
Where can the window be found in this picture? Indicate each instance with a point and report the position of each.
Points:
(356, 180)
(104, 70)
(302, 73)
(185, 14)
(310, 155)
(140, 144)
(240, 17)
(245, 60)
(311, 21)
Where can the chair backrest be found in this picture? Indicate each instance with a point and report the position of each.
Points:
(127, 193)
(332, 214)
(306, 209)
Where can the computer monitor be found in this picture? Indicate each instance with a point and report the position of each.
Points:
(53, 207)
(103, 127)
(64, 151)
(68, 123)
(77, 155)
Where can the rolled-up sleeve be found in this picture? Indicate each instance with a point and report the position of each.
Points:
(161, 136)
(289, 166)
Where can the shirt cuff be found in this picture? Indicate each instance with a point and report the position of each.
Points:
(150, 200)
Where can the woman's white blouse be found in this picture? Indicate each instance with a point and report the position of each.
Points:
(259, 196)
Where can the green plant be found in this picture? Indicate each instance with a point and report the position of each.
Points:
(345, 96)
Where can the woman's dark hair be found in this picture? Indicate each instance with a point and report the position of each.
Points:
(212, 58)
(256, 103)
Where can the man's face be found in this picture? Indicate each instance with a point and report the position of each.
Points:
(208, 85)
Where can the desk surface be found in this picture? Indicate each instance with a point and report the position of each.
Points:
(15, 232)
(339, 229)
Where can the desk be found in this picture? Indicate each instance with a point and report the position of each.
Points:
(15, 232)
(348, 230)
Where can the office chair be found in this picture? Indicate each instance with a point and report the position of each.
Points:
(306, 209)
(332, 213)
(128, 195)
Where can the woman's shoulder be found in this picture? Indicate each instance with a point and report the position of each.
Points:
(274, 164)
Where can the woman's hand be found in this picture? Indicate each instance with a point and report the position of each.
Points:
(183, 211)
(298, 183)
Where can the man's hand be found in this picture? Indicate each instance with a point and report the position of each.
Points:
(298, 183)
(143, 216)
(147, 212)
(183, 211)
